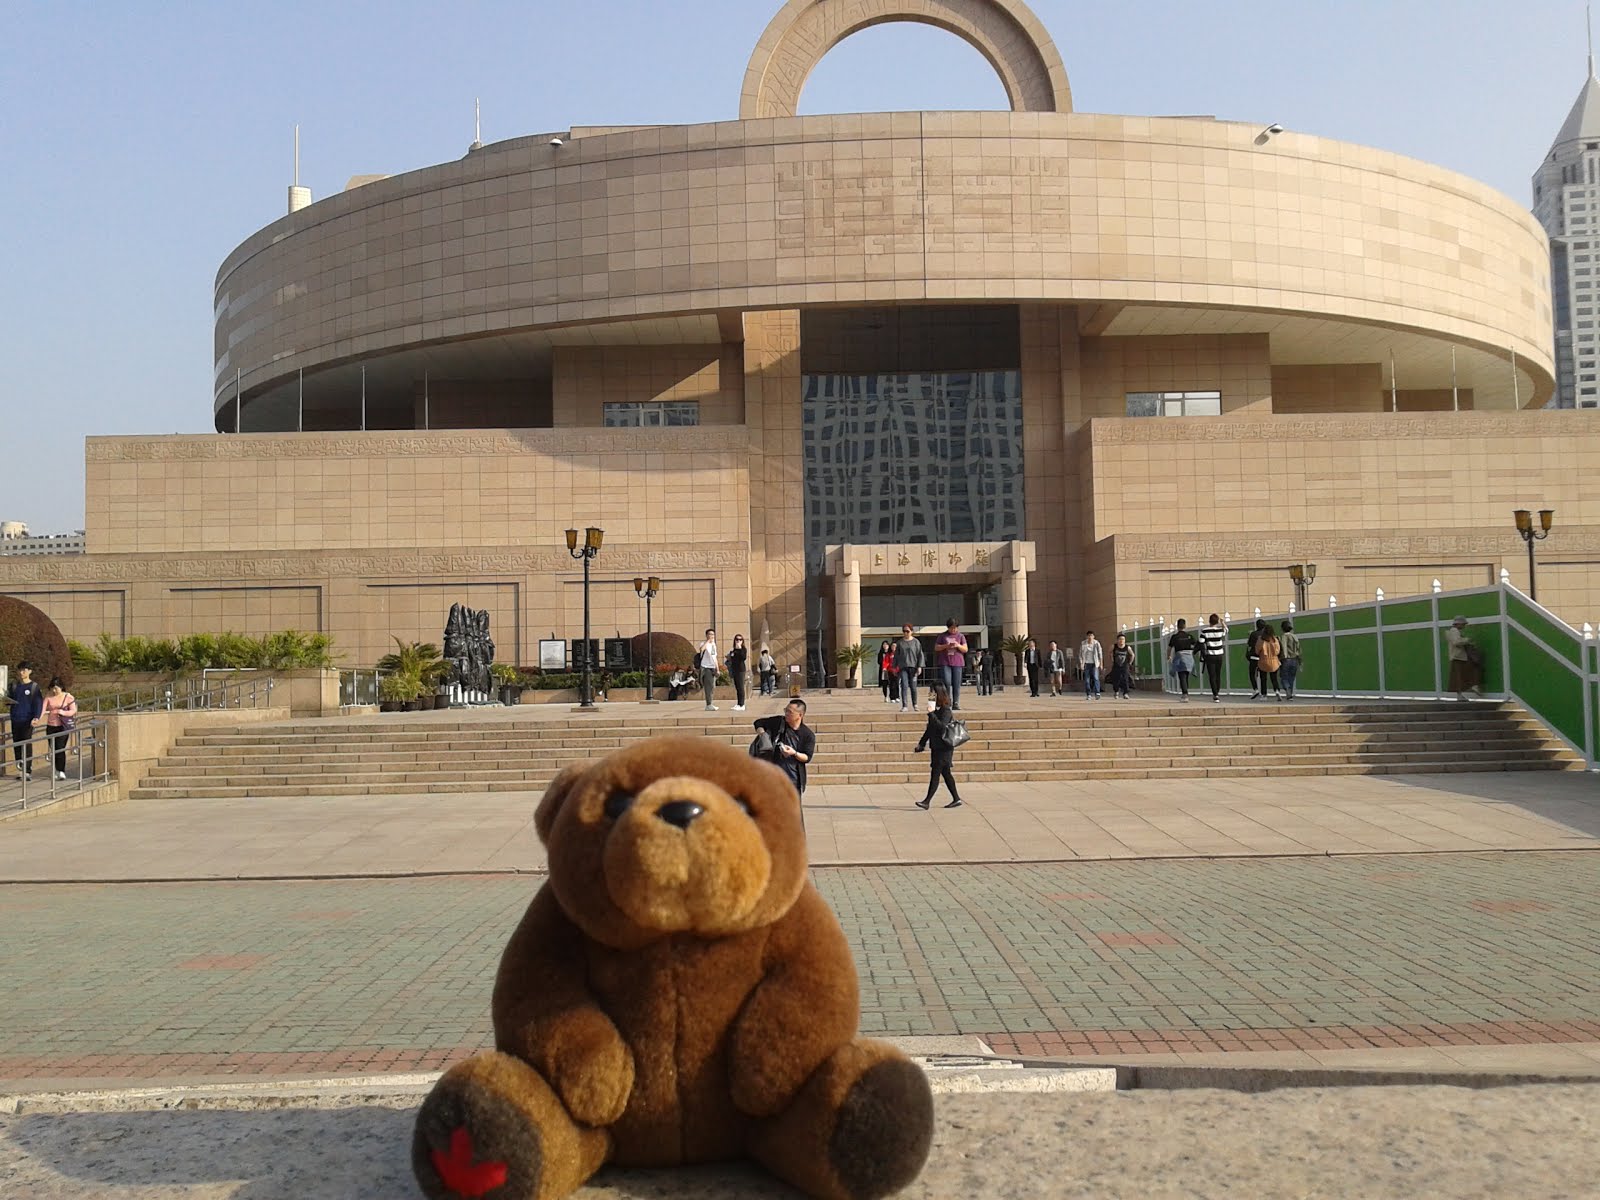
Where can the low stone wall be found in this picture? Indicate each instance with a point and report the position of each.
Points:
(135, 742)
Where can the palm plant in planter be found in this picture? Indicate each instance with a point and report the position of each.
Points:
(399, 690)
(851, 658)
(422, 660)
(1015, 645)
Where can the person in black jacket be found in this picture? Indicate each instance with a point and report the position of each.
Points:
(27, 703)
(936, 738)
(738, 663)
(1032, 663)
(794, 743)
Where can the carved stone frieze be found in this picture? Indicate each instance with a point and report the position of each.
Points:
(1269, 549)
(1345, 427)
(553, 443)
(100, 569)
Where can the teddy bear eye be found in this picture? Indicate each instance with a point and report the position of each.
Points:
(618, 803)
(744, 804)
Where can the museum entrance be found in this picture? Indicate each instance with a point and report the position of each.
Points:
(877, 590)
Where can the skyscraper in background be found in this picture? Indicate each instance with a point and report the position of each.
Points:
(1566, 201)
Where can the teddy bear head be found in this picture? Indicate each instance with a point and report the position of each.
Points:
(672, 835)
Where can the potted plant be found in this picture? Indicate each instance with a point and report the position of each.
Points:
(397, 690)
(422, 660)
(507, 682)
(852, 657)
(1015, 645)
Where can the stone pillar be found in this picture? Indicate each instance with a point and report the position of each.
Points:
(1052, 411)
(1014, 594)
(847, 606)
(772, 411)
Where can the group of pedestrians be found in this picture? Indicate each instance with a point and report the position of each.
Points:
(29, 704)
(708, 663)
(1273, 657)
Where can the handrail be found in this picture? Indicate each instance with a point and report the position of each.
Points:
(1394, 648)
(52, 765)
(186, 696)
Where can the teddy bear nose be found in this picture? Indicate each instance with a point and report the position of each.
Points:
(680, 813)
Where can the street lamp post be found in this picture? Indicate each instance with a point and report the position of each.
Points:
(647, 589)
(1304, 575)
(1530, 534)
(592, 538)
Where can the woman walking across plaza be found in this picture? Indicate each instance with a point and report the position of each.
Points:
(936, 740)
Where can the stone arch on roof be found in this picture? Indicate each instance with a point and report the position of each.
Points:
(1006, 32)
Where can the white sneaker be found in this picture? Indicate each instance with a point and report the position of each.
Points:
(61, 774)
(711, 708)
(738, 708)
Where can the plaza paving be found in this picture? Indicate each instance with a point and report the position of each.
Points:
(1403, 957)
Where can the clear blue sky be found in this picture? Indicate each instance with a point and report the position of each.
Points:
(142, 142)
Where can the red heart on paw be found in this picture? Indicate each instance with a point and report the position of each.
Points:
(460, 1174)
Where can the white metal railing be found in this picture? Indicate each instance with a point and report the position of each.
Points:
(52, 764)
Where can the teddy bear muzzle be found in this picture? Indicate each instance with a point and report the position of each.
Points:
(695, 860)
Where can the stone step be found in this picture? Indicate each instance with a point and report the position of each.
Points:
(1442, 766)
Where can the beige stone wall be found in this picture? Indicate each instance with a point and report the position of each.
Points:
(1238, 366)
(877, 208)
(1389, 500)
(586, 378)
(355, 491)
(80, 613)
(1332, 388)
(1366, 474)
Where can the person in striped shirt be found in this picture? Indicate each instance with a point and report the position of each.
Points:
(1213, 649)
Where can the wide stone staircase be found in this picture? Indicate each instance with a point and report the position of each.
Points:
(863, 742)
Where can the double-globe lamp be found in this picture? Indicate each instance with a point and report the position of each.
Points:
(647, 589)
(1530, 535)
(592, 538)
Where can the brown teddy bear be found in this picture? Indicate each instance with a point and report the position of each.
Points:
(677, 992)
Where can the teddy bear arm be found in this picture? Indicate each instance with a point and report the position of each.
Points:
(545, 1014)
(806, 1006)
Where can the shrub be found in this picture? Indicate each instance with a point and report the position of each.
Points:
(26, 633)
(671, 648)
(287, 650)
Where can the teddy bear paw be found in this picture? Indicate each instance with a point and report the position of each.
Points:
(472, 1141)
(883, 1132)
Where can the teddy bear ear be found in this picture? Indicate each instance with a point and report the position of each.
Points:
(544, 817)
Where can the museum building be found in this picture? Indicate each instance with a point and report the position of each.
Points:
(1040, 370)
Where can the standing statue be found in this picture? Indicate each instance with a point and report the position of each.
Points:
(469, 650)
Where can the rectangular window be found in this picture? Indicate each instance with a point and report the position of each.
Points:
(1174, 404)
(633, 414)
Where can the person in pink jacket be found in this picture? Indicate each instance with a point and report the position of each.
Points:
(60, 715)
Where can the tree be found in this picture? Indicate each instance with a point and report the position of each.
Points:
(418, 658)
(26, 633)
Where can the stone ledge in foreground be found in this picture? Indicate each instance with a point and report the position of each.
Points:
(1436, 1142)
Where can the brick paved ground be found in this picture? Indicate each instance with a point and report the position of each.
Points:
(260, 978)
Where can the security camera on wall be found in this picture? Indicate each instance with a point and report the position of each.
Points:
(555, 141)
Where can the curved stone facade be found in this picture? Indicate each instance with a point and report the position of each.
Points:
(891, 208)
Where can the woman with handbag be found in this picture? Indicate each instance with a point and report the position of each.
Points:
(943, 734)
(60, 716)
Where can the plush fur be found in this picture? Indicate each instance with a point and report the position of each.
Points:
(677, 992)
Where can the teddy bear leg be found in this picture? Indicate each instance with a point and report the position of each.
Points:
(859, 1129)
(492, 1125)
